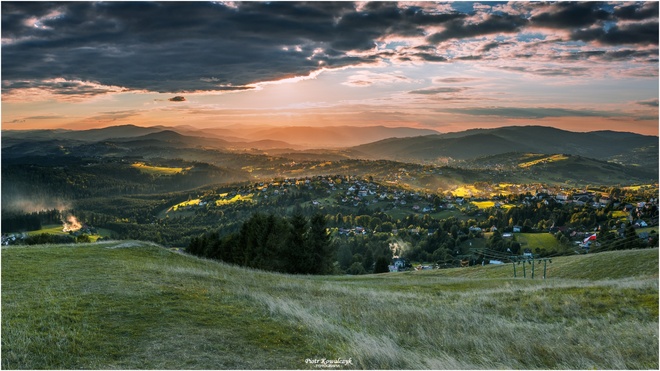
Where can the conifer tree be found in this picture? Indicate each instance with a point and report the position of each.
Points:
(297, 255)
(319, 244)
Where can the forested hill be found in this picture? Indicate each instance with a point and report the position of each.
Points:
(622, 147)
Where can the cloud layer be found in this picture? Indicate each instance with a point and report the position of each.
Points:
(83, 49)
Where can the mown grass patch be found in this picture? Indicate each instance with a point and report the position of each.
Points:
(541, 241)
(134, 305)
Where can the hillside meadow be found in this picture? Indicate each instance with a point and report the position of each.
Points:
(136, 305)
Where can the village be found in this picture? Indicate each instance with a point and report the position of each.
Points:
(353, 195)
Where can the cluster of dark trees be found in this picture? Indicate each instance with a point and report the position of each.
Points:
(19, 222)
(289, 245)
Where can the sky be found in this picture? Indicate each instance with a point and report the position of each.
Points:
(447, 66)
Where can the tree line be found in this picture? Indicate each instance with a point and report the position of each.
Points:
(296, 244)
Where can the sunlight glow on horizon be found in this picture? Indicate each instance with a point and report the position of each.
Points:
(540, 73)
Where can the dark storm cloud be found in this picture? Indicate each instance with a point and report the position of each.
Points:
(638, 33)
(496, 23)
(170, 47)
(493, 45)
(571, 14)
(645, 10)
(175, 47)
(57, 86)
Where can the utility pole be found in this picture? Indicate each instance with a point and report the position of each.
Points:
(514, 269)
(526, 259)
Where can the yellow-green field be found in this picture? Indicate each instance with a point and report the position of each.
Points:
(465, 191)
(176, 207)
(158, 170)
(487, 204)
(553, 158)
(237, 198)
(620, 214)
(50, 229)
(223, 201)
(543, 241)
(56, 229)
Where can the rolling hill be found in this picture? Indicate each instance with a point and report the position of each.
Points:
(129, 305)
(558, 168)
(597, 157)
(334, 136)
(470, 144)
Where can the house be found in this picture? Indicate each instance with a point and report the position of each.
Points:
(604, 200)
(507, 235)
(517, 229)
(641, 223)
(398, 265)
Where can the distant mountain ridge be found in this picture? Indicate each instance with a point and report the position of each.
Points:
(470, 144)
(293, 137)
(440, 149)
(336, 136)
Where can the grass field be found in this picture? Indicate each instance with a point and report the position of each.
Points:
(134, 305)
(487, 204)
(236, 198)
(542, 241)
(158, 170)
(50, 229)
(537, 161)
(56, 229)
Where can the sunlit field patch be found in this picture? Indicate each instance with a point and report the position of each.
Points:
(465, 191)
(237, 198)
(553, 158)
(158, 170)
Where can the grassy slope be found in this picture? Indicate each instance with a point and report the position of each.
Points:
(134, 305)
